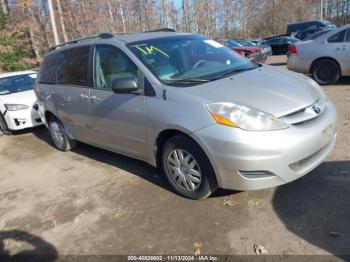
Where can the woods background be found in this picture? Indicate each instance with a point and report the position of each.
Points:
(27, 31)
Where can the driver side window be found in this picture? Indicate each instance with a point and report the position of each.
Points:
(111, 64)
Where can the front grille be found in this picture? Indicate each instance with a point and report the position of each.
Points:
(305, 115)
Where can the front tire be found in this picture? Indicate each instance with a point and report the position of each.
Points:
(326, 72)
(187, 168)
(3, 126)
(59, 136)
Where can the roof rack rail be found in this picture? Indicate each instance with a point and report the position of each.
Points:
(101, 35)
(160, 30)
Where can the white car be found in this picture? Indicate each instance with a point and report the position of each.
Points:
(18, 107)
(326, 57)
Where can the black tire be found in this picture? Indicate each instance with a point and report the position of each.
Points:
(67, 143)
(326, 72)
(208, 184)
(3, 126)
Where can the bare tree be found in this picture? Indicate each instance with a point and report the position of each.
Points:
(5, 6)
(53, 22)
(60, 15)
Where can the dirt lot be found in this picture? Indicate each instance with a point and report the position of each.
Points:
(91, 201)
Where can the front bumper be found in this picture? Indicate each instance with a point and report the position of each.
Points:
(251, 160)
(22, 119)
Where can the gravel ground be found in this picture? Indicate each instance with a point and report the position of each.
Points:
(94, 202)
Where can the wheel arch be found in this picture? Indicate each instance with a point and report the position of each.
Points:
(48, 114)
(166, 134)
(324, 58)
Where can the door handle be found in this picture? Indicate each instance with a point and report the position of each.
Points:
(83, 96)
(344, 47)
(96, 99)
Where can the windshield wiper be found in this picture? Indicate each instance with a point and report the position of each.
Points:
(188, 80)
(231, 72)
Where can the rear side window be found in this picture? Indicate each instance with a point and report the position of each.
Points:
(73, 66)
(47, 73)
(337, 38)
(347, 37)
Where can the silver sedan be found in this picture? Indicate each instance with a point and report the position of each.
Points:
(327, 57)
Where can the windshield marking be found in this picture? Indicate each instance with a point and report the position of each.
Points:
(150, 49)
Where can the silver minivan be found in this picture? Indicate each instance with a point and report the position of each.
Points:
(204, 115)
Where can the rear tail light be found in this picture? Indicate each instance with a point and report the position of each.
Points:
(292, 49)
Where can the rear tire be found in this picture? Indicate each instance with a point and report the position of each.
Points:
(3, 126)
(326, 72)
(192, 176)
(59, 136)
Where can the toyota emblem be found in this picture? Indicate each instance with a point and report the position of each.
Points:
(316, 109)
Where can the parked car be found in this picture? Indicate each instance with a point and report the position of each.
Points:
(266, 49)
(296, 27)
(327, 57)
(204, 115)
(317, 34)
(252, 53)
(280, 45)
(18, 108)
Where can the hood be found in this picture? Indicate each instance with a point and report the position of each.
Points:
(25, 98)
(269, 89)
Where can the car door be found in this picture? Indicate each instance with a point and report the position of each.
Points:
(339, 46)
(117, 120)
(345, 49)
(71, 92)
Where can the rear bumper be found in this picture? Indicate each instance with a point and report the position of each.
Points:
(249, 160)
(22, 119)
(295, 63)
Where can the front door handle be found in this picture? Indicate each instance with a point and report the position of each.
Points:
(96, 99)
(83, 96)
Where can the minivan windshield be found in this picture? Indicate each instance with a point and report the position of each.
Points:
(188, 60)
(16, 84)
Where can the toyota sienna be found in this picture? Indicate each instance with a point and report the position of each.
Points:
(203, 114)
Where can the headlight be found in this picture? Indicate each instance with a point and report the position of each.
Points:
(243, 117)
(15, 107)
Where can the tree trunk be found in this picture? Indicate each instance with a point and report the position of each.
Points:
(53, 22)
(60, 15)
(122, 16)
(5, 6)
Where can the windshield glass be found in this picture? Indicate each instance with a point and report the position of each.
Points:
(247, 43)
(232, 44)
(15, 84)
(175, 59)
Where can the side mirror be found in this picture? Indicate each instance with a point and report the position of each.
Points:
(124, 86)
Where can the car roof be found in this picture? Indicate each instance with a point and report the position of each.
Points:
(18, 73)
(334, 31)
(309, 21)
(129, 38)
(125, 38)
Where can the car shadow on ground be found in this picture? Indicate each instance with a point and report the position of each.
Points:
(128, 164)
(278, 64)
(316, 208)
(343, 81)
(39, 249)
